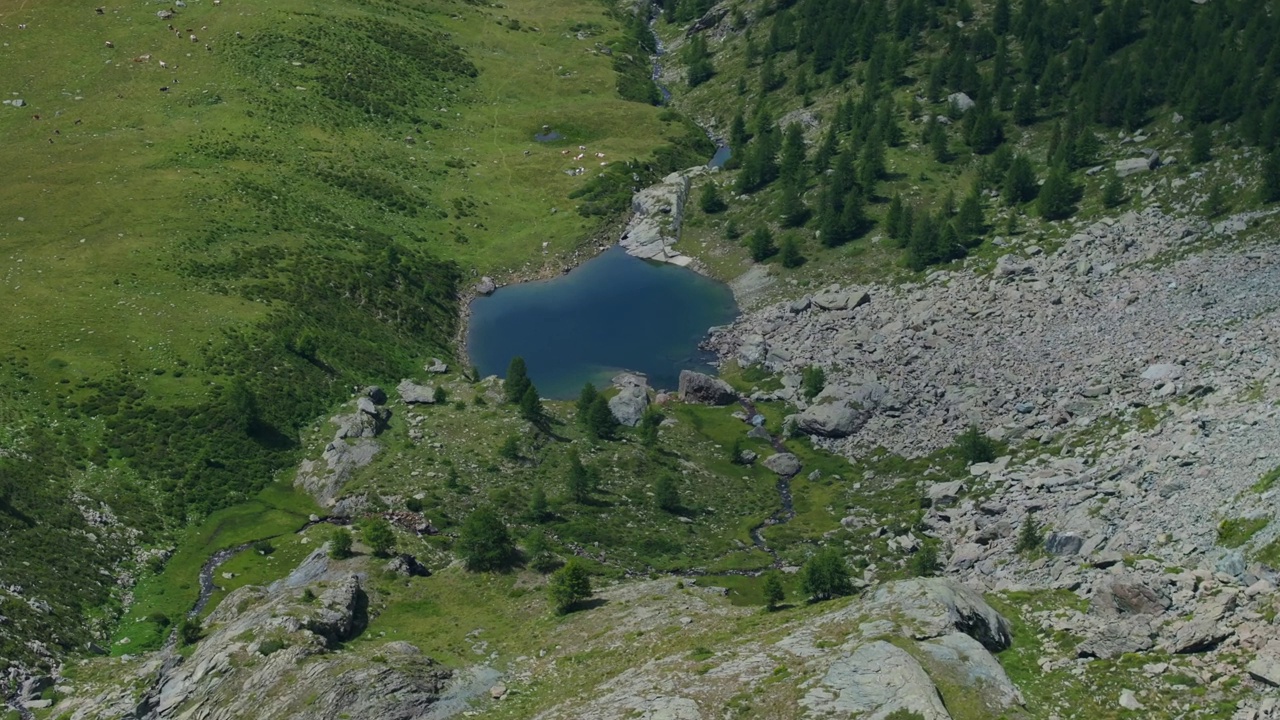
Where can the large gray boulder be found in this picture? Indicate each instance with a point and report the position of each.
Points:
(785, 464)
(629, 405)
(486, 286)
(323, 479)
(1118, 637)
(696, 387)
(1266, 665)
(1126, 595)
(841, 299)
(933, 607)
(963, 659)
(1133, 166)
(832, 420)
(874, 681)
(412, 393)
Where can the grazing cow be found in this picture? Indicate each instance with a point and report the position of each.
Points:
(195, 39)
(110, 44)
(164, 64)
(100, 11)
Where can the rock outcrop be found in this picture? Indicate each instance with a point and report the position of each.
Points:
(629, 405)
(323, 479)
(657, 213)
(696, 387)
(280, 643)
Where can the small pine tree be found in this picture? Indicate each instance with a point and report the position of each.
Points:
(666, 495)
(774, 593)
(1057, 199)
(600, 420)
(1201, 144)
(1020, 184)
(649, 424)
(378, 535)
(585, 399)
(938, 142)
(578, 483)
(826, 575)
(510, 449)
(813, 380)
(190, 631)
(925, 562)
(1215, 204)
(791, 256)
(539, 509)
(531, 405)
(517, 381)
(569, 586)
(1113, 191)
(440, 396)
(760, 244)
(1029, 535)
(484, 543)
(538, 551)
(340, 542)
(710, 200)
(970, 223)
(975, 447)
(894, 216)
(1270, 190)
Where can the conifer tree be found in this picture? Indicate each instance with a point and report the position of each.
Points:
(666, 495)
(1201, 141)
(569, 586)
(531, 406)
(600, 420)
(760, 244)
(774, 593)
(585, 399)
(579, 482)
(710, 200)
(1112, 191)
(1270, 189)
(790, 252)
(517, 381)
(1020, 184)
(1057, 199)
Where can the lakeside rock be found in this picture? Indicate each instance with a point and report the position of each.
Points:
(696, 387)
(629, 405)
(657, 214)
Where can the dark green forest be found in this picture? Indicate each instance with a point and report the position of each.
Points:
(1080, 68)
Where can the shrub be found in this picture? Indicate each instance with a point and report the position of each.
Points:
(340, 544)
(264, 547)
(569, 586)
(974, 447)
(1030, 535)
(484, 542)
(826, 575)
(379, 536)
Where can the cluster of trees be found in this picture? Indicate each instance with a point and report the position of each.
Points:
(520, 391)
(1080, 62)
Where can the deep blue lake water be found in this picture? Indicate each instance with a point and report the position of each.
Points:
(612, 313)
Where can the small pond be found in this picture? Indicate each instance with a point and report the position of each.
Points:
(614, 312)
(723, 153)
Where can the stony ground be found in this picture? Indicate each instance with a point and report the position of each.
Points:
(1131, 371)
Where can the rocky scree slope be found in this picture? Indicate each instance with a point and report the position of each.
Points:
(1131, 369)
